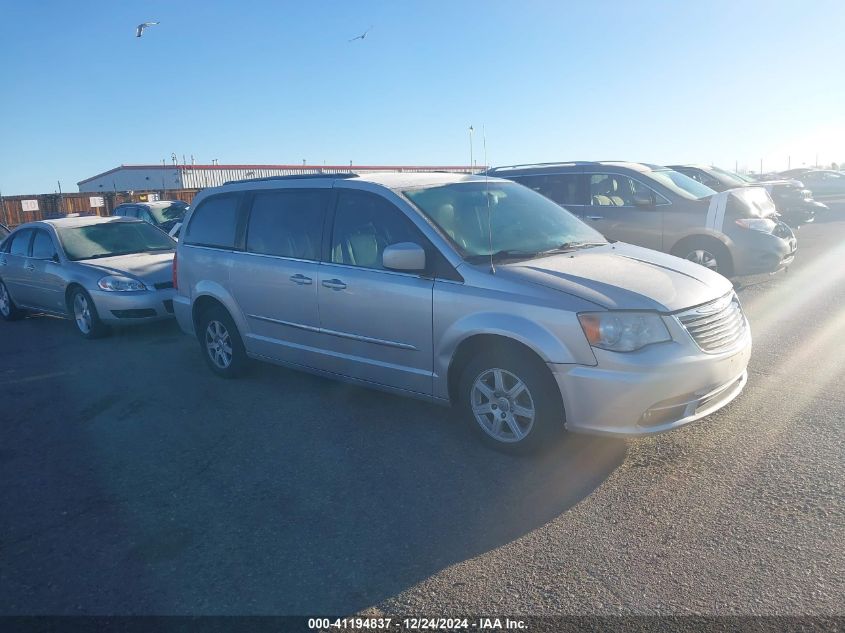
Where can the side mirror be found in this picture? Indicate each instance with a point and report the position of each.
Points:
(55, 259)
(405, 256)
(643, 199)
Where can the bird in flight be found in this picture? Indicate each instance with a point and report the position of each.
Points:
(362, 36)
(140, 30)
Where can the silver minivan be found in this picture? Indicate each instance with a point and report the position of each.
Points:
(460, 290)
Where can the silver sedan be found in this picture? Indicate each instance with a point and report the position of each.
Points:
(95, 271)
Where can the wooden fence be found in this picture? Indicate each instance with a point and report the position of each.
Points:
(53, 205)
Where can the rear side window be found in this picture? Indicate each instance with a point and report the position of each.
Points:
(215, 222)
(287, 223)
(565, 189)
(20, 243)
(42, 246)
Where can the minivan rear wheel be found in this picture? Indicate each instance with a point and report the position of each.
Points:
(709, 253)
(221, 343)
(511, 402)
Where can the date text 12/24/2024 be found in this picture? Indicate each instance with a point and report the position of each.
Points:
(417, 624)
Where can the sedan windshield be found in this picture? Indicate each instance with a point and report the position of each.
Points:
(109, 239)
(681, 184)
(501, 219)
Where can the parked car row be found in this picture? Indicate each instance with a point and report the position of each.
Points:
(736, 232)
(794, 203)
(473, 291)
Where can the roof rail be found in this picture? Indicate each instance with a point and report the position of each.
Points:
(293, 177)
(529, 165)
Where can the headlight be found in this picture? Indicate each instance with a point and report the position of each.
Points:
(757, 224)
(623, 331)
(115, 283)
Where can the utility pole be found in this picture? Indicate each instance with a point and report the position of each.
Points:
(471, 130)
(60, 195)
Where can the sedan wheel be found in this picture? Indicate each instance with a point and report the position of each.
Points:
(5, 301)
(85, 315)
(82, 313)
(502, 405)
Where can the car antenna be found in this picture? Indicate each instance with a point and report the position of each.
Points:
(487, 197)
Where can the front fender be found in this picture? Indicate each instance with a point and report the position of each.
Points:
(561, 341)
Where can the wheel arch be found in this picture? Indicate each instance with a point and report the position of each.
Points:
(475, 344)
(716, 240)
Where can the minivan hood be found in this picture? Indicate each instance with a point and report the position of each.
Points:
(621, 276)
(150, 268)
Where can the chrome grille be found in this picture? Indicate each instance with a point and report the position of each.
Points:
(715, 326)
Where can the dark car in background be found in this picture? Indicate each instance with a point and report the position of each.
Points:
(735, 232)
(4, 231)
(824, 183)
(794, 203)
(164, 214)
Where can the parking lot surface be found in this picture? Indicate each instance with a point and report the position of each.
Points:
(137, 482)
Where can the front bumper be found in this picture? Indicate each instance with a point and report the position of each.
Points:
(127, 308)
(654, 390)
(755, 252)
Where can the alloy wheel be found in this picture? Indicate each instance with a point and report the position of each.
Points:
(502, 405)
(5, 301)
(704, 258)
(218, 344)
(82, 313)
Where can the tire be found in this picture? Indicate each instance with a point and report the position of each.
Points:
(706, 252)
(84, 315)
(220, 343)
(497, 417)
(8, 310)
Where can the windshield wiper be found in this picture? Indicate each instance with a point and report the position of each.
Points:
(508, 253)
(570, 246)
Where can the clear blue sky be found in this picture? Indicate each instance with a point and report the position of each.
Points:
(276, 82)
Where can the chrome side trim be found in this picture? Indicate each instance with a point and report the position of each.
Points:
(346, 335)
(368, 339)
(300, 326)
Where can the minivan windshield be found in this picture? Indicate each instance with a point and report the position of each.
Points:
(681, 184)
(502, 219)
(109, 239)
(729, 177)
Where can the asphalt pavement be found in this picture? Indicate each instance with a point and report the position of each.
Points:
(136, 482)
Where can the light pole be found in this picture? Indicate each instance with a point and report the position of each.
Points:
(471, 130)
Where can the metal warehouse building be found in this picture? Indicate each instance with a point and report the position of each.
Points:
(158, 177)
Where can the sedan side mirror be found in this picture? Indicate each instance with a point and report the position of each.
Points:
(55, 259)
(404, 256)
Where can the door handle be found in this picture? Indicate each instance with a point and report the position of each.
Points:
(334, 284)
(595, 217)
(29, 267)
(302, 280)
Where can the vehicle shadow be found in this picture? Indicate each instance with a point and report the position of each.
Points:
(153, 486)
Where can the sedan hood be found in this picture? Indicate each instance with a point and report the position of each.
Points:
(621, 276)
(151, 268)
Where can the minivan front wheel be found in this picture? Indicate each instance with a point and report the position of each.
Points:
(709, 253)
(221, 343)
(512, 403)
